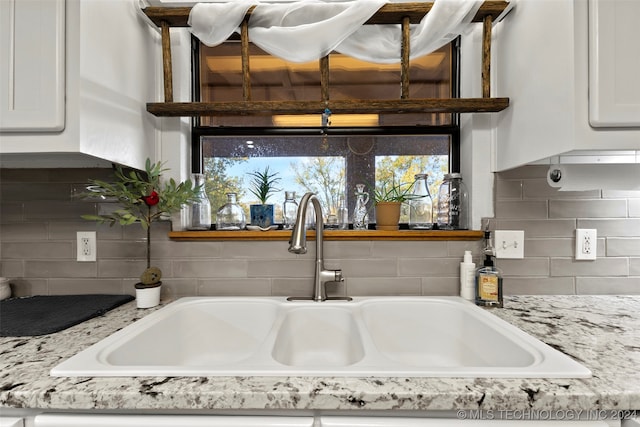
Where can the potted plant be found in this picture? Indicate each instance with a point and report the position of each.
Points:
(388, 198)
(143, 199)
(262, 186)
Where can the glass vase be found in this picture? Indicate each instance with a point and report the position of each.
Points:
(231, 216)
(421, 204)
(289, 210)
(199, 210)
(360, 213)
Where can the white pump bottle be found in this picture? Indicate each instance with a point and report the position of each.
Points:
(467, 277)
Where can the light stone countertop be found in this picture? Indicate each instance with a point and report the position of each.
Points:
(601, 332)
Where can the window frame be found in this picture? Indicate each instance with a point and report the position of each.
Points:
(452, 129)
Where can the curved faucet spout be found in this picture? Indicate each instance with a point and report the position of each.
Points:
(298, 241)
(298, 245)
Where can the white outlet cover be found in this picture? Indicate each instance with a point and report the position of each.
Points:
(509, 244)
(90, 248)
(586, 244)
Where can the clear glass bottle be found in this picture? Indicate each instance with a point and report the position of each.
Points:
(360, 213)
(331, 222)
(231, 216)
(421, 204)
(343, 214)
(289, 210)
(453, 203)
(310, 219)
(200, 210)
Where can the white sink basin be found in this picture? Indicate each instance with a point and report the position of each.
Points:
(195, 335)
(314, 336)
(372, 337)
(448, 336)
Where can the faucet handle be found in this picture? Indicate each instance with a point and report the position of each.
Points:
(338, 276)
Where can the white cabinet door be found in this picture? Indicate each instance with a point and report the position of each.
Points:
(32, 57)
(101, 420)
(544, 69)
(614, 63)
(11, 422)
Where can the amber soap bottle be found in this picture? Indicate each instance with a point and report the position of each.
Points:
(488, 284)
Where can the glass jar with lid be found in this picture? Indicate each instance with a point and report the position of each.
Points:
(453, 203)
(231, 216)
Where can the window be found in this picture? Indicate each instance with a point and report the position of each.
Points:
(327, 155)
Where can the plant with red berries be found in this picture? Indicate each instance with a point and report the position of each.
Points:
(142, 196)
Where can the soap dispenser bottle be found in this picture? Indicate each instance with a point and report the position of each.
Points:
(488, 279)
(467, 277)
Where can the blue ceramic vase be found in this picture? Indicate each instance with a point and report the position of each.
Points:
(261, 215)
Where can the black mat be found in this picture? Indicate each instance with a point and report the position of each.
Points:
(46, 314)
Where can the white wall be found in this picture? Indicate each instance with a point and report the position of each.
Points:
(476, 133)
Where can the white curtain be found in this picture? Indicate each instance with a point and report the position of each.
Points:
(310, 29)
(446, 20)
(213, 23)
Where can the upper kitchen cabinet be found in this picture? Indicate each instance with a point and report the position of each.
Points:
(571, 70)
(32, 71)
(614, 63)
(108, 75)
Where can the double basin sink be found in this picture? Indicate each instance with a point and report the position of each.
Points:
(366, 337)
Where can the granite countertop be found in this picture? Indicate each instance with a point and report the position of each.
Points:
(601, 332)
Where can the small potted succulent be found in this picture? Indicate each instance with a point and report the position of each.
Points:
(263, 185)
(388, 198)
(143, 198)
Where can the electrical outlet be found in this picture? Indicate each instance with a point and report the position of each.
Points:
(509, 244)
(586, 243)
(86, 246)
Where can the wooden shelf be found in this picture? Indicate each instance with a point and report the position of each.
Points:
(391, 13)
(330, 235)
(404, 14)
(436, 105)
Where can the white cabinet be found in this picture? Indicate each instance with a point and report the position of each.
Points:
(11, 422)
(614, 63)
(138, 420)
(111, 72)
(32, 72)
(542, 63)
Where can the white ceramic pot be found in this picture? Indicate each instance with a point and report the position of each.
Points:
(148, 297)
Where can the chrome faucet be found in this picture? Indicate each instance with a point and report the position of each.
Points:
(298, 245)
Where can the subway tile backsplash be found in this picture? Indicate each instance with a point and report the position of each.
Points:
(39, 218)
(549, 218)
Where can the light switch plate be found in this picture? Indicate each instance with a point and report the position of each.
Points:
(509, 244)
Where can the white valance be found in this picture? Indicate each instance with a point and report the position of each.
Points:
(310, 29)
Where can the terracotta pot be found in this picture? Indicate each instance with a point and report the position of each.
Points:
(387, 215)
(148, 296)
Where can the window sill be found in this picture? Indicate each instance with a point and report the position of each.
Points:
(331, 235)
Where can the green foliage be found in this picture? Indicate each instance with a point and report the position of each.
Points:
(131, 188)
(263, 184)
(392, 192)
